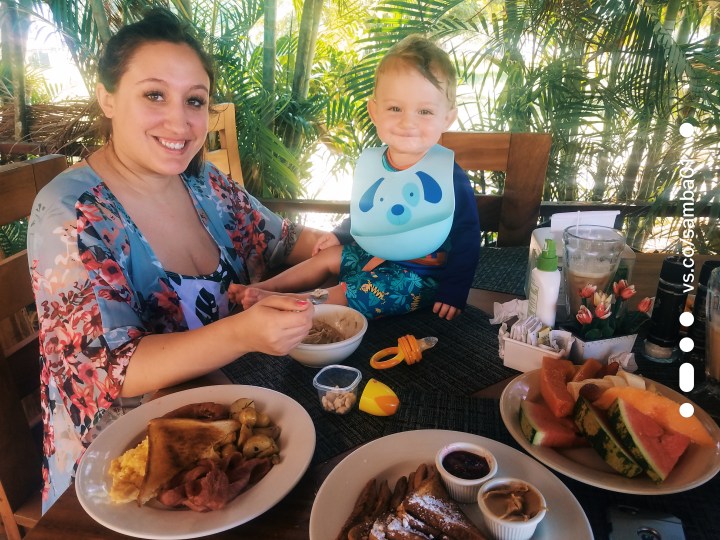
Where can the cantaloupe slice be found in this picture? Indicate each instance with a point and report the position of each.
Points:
(663, 410)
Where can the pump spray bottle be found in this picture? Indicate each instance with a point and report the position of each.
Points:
(545, 286)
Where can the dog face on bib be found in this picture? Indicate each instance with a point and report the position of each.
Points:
(394, 201)
(401, 215)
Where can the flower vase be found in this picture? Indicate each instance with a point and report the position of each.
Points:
(600, 349)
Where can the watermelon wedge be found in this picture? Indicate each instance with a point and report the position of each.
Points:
(595, 427)
(656, 449)
(662, 409)
(542, 428)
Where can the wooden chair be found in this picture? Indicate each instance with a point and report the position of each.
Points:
(524, 159)
(20, 415)
(514, 214)
(227, 156)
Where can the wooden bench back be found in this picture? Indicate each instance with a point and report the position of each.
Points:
(20, 473)
(227, 156)
(524, 159)
(19, 183)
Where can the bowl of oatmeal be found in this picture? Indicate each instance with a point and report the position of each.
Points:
(336, 333)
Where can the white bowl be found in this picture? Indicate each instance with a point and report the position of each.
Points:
(461, 489)
(346, 320)
(505, 529)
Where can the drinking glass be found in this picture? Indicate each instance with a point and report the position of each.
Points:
(712, 335)
(707, 395)
(592, 256)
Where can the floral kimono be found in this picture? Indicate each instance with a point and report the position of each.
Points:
(99, 288)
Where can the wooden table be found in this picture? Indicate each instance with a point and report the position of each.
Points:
(289, 519)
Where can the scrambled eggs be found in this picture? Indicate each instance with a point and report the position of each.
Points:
(127, 472)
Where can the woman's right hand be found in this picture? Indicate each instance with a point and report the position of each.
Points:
(276, 324)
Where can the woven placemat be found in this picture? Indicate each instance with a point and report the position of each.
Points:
(464, 360)
(434, 410)
(502, 269)
(697, 508)
(334, 433)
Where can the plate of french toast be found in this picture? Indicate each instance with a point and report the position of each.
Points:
(618, 431)
(195, 462)
(350, 505)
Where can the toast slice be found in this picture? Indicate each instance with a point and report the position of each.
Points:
(431, 504)
(175, 444)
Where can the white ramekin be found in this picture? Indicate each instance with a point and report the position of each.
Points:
(504, 529)
(464, 491)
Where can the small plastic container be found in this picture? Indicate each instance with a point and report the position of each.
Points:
(461, 489)
(507, 529)
(337, 388)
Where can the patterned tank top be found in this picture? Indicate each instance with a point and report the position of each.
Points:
(204, 299)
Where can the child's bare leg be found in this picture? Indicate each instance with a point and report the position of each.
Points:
(247, 295)
(306, 275)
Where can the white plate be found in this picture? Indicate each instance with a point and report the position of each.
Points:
(698, 465)
(297, 444)
(391, 457)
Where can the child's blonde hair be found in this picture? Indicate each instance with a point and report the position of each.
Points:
(430, 60)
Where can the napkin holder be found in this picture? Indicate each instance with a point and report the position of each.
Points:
(524, 352)
(523, 356)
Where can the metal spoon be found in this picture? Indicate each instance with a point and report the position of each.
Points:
(318, 296)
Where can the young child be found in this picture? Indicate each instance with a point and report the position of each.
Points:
(413, 235)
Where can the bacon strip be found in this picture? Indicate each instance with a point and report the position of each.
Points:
(211, 484)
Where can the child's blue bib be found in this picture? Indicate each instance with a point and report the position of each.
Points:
(402, 215)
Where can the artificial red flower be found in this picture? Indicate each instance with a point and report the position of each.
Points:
(602, 310)
(584, 316)
(588, 290)
(623, 290)
(607, 316)
(645, 305)
(619, 286)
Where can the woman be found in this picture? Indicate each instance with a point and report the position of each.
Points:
(132, 251)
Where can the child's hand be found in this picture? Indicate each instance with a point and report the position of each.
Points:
(236, 293)
(446, 311)
(325, 241)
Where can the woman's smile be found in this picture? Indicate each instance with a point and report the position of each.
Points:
(172, 144)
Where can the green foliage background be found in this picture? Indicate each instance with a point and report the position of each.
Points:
(612, 81)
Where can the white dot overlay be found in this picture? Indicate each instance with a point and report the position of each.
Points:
(686, 344)
(687, 410)
(686, 129)
(686, 318)
(686, 376)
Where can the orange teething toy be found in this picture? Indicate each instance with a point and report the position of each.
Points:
(409, 349)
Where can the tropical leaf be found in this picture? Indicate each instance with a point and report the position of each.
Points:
(13, 237)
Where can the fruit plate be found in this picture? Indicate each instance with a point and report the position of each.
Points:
(390, 457)
(698, 465)
(92, 483)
